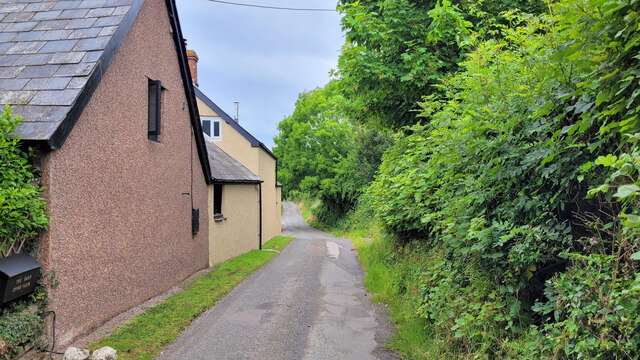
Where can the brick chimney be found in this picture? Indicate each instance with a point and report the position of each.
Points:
(192, 57)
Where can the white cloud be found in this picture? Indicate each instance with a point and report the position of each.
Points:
(262, 58)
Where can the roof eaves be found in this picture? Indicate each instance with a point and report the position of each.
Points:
(223, 181)
(189, 90)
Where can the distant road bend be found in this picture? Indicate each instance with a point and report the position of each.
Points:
(307, 303)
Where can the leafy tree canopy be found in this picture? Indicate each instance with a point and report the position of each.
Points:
(312, 140)
(397, 51)
(322, 154)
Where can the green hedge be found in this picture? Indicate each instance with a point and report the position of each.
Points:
(524, 183)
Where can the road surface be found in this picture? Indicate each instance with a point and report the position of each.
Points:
(307, 303)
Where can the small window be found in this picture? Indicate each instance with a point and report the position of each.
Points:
(206, 127)
(216, 129)
(217, 202)
(155, 109)
(211, 127)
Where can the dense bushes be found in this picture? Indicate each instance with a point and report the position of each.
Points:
(320, 152)
(22, 217)
(398, 51)
(511, 200)
(496, 182)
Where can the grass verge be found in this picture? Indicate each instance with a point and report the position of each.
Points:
(144, 336)
(306, 206)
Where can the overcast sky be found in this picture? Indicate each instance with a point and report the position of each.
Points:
(260, 57)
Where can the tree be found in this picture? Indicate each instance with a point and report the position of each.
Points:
(312, 141)
(397, 51)
(324, 155)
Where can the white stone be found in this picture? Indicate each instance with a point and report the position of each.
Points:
(73, 353)
(104, 353)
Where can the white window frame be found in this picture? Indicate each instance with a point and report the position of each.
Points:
(212, 120)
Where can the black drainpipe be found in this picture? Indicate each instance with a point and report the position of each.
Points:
(260, 209)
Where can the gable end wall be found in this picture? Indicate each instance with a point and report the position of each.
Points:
(120, 204)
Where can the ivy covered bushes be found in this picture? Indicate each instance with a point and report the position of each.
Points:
(22, 217)
(22, 321)
(523, 180)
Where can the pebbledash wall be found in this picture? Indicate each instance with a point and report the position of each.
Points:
(120, 204)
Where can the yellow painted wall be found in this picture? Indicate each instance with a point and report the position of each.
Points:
(270, 200)
(238, 232)
(260, 163)
(236, 145)
(204, 110)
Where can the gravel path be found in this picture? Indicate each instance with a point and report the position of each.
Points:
(307, 303)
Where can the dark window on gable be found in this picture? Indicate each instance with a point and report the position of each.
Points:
(206, 127)
(217, 202)
(216, 129)
(211, 128)
(155, 109)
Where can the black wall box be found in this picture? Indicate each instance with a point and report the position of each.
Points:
(19, 275)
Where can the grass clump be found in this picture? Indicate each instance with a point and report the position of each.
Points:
(144, 336)
(277, 243)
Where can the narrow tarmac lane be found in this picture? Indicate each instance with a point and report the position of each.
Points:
(307, 303)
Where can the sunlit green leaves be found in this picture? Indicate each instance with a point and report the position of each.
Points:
(530, 153)
(22, 209)
(398, 51)
(323, 154)
(625, 191)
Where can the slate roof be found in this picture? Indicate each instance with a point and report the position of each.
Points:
(52, 56)
(234, 124)
(225, 169)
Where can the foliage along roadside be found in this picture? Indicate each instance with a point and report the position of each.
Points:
(144, 336)
(523, 186)
(512, 200)
(320, 152)
(398, 51)
(22, 217)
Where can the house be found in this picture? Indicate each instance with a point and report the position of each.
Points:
(106, 95)
(234, 207)
(227, 134)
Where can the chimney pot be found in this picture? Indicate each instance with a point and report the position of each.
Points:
(192, 57)
(237, 104)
